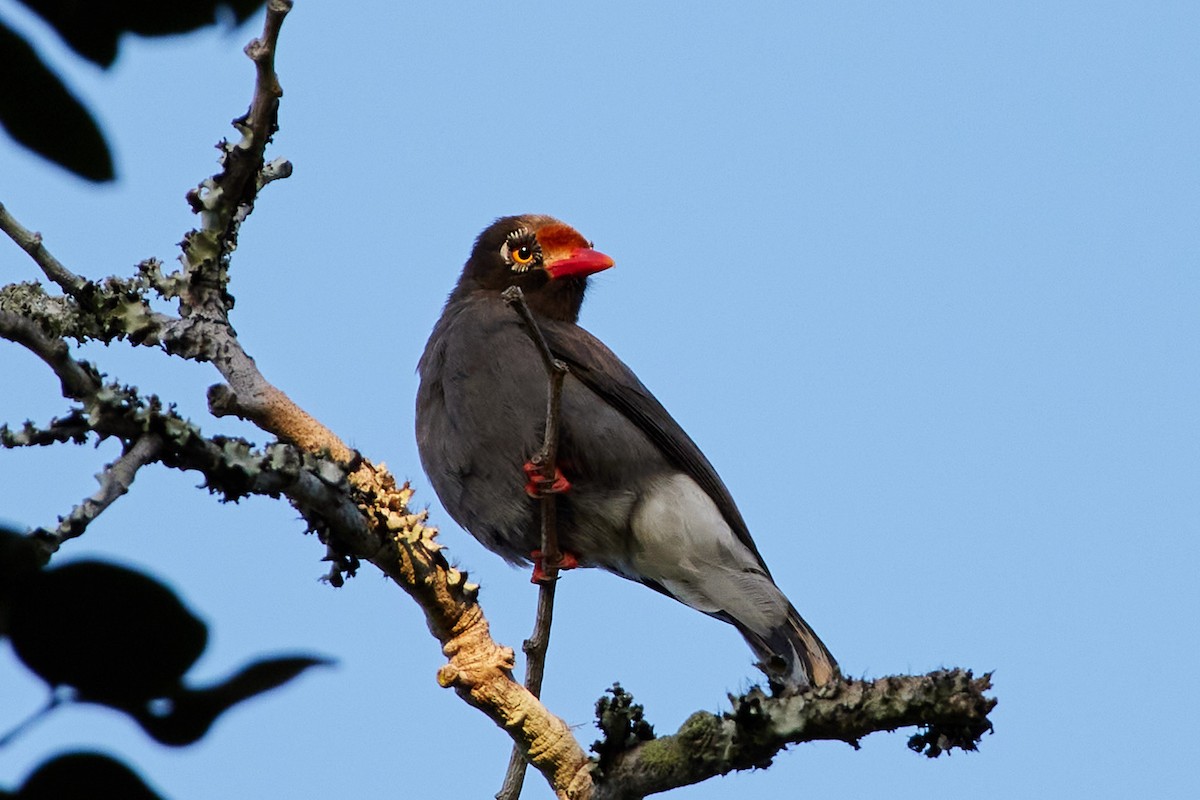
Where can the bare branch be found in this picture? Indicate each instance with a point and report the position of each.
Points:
(253, 398)
(479, 669)
(556, 371)
(535, 648)
(537, 645)
(397, 542)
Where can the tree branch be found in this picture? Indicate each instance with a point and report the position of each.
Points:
(31, 243)
(71, 428)
(359, 511)
(537, 645)
(375, 524)
(546, 458)
(115, 481)
(116, 309)
(78, 378)
(226, 199)
(223, 202)
(950, 704)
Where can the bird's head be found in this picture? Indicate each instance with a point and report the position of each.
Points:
(548, 259)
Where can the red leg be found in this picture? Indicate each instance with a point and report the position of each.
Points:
(567, 561)
(539, 485)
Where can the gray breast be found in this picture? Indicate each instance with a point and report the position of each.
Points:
(480, 415)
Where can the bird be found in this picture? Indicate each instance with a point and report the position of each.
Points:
(634, 494)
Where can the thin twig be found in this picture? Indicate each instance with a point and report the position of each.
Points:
(31, 243)
(546, 458)
(78, 378)
(538, 643)
(115, 481)
(55, 700)
(74, 427)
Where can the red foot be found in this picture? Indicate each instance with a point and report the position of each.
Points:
(567, 561)
(539, 485)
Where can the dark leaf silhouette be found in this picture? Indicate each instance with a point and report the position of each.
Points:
(115, 635)
(93, 29)
(121, 639)
(186, 715)
(83, 776)
(36, 107)
(40, 112)
(19, 560)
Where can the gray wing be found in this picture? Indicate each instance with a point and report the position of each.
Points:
(601, 371)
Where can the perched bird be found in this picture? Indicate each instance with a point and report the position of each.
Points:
(634, 494)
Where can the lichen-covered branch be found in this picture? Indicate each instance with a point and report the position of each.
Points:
(77, 377)
(31, 243)
(950, 705)
(73, 427)
(223, 202)
(358, 509)
(115, 481)
(115, 309)
(226, 199)
(231, 466)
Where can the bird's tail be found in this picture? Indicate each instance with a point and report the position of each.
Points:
(793, 656)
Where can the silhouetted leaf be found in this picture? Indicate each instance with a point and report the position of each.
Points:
(117, 636)
(93, 28)
(20, 558)
(38, 110)
(124, 640)
(84, 776)
(191, 712)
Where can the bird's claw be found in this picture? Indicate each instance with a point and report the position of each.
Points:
(538, 485)
(565, 561)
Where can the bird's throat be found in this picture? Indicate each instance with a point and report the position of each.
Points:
(558, 299)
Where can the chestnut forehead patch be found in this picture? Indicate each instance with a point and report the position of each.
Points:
(557, 238)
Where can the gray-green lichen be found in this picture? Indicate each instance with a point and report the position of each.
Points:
(949, 706)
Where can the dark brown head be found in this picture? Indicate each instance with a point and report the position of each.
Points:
(548, 259)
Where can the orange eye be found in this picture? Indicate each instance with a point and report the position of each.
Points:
(523, 255)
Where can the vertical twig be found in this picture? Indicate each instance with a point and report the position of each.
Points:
(538, 643)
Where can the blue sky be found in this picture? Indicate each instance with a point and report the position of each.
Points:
(921, 280)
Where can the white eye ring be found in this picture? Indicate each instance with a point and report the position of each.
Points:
(506, 251)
